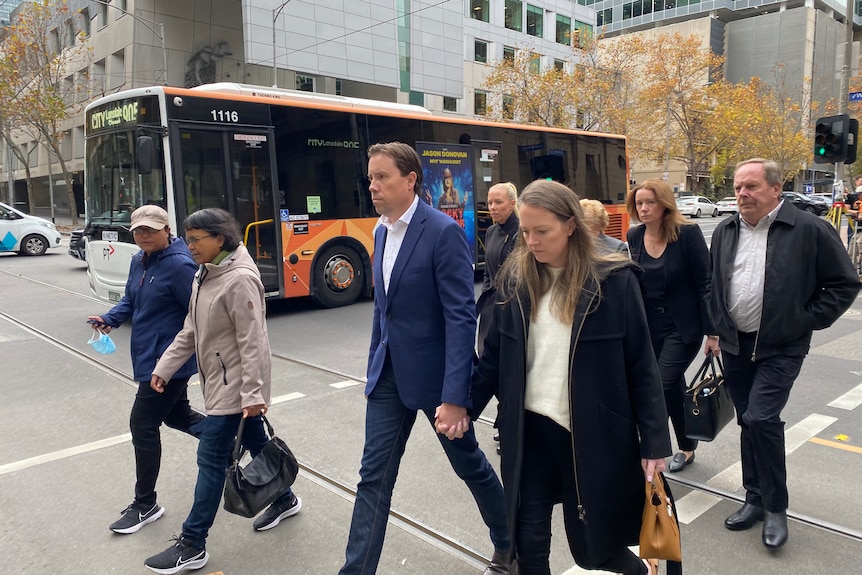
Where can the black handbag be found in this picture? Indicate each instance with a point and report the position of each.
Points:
(708, 407)
(248, 490)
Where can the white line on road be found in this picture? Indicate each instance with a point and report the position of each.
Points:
(850, 400)
(343, 384)
(64, 453)
(287, 397)
(800, 433)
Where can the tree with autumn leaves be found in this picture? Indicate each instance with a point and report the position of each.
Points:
(665, 92)
(37, 52)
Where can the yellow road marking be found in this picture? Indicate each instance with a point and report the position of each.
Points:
(836, 445)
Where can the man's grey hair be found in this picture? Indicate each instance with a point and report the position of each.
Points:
(771, 170)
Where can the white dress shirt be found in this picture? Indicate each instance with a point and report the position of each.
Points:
(745, 300)
(395, 232)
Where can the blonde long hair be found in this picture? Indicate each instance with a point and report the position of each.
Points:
(672, 220)
(584, 263)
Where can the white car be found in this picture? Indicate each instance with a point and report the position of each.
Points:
(696, 206)
(27, 235)
(727, 205)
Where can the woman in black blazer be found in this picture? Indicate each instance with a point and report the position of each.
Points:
(676, 274)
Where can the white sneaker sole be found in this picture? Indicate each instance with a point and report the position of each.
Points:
(137, 527)
(288, 513)
(190, 566)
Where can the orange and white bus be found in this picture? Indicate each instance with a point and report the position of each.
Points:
(291, 166)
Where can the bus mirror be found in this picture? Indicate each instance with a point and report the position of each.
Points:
(144, 154)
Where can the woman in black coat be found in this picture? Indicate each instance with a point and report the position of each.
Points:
(499, 241)
(674, 283)
(580, 411)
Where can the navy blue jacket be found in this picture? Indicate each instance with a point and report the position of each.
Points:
(157, 301)
(427, 321)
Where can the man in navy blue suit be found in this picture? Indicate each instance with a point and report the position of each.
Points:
(421, 356)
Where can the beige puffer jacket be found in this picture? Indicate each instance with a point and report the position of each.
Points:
(226, 327)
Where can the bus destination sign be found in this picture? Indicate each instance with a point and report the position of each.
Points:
(122, 114)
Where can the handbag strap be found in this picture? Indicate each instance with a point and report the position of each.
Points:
(237, 446)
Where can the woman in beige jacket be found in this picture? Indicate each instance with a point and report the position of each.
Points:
(226, 327)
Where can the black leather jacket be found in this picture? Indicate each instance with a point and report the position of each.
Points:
(809, 282)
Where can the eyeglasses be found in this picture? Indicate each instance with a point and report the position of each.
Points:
(195, 239)
(144, 231)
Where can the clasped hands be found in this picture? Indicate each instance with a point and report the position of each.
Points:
(451, 420)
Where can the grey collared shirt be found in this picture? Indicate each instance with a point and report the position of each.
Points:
(745, 300)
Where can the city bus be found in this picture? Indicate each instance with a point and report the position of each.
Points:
(292, 167)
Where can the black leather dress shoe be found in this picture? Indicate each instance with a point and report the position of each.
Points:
(679, 462)
(745, 518)
(775, 529)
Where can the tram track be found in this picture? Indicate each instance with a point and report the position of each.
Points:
(405, 522)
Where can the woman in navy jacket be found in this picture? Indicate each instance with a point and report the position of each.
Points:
(676, 274)
(156, 301)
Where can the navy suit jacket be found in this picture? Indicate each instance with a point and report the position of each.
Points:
(427, 322)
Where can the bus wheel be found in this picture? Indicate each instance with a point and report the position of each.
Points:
(338, 276)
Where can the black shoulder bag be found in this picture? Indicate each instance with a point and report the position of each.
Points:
(708, 407)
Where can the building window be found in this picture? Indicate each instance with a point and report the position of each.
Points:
(339, 91)
(450, 104)
(508, 107)
(56, 45)
(117, 69)
(103, 15)
(535, 63)
(69, 31)
(604, 17)
(480, 51)
(480, 103)
(508, 54)
(305, 83)
(84, 21)
(514, 16)
(559, 65)
(535, 20)
(627, 11)
(479, 10)
(582, 33)
(564, 30)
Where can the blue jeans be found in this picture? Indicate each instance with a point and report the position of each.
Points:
(218, 434)
(387, 426)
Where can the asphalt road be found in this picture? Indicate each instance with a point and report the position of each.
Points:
(66, 461)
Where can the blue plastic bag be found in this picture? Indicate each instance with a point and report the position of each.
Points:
(103, 343)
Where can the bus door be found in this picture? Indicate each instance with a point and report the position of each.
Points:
(486, 170)
(233, 169)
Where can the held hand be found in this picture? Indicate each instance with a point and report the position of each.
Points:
(98, 324)
(651, 467)
(451, 420)
(711, 346)
(157, 384)
(254, 410)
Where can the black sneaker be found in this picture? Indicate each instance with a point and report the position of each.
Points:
(276, 512)
(181, 556)
(136, 516)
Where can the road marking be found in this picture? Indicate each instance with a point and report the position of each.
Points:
(800, 433)
(343, 384)
(64, 453)
(287, 397)
(850, 400)
(836, 445)
(696, 503)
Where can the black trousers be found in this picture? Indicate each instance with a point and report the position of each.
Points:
(547, 478)
(673, 356)
(149, 411)
(760, 390)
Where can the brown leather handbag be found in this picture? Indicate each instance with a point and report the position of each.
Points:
(659, 537)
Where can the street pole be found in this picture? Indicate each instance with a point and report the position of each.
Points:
(666, 175)
(275, 14)
(50, 184)
(149, 25)
(845, 78)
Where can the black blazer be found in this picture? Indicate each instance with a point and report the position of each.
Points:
(687, 271)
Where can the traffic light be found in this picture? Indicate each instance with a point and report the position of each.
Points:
(831, 135)
(851, 142)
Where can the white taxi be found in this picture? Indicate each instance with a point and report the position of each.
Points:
(25, 234)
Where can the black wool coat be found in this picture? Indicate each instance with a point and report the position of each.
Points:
(617, 408)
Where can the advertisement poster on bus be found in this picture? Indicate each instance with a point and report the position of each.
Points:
(447, 173)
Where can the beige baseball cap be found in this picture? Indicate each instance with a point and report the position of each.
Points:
(151, 217)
